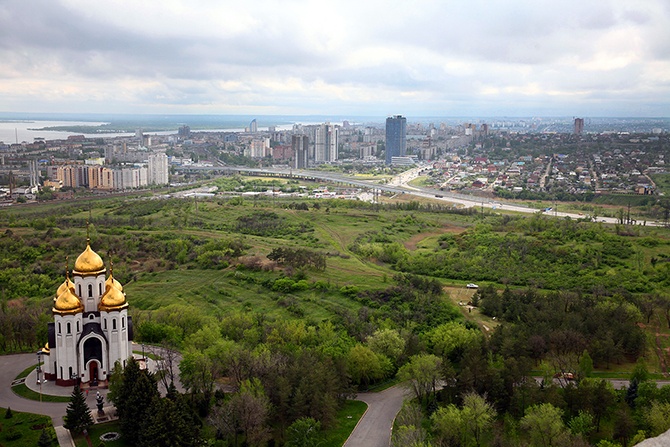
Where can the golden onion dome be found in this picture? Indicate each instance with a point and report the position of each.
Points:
(67, 284)
(111, 282)
(68, 303)
(88, 263)
(112, 299)
(46, 349)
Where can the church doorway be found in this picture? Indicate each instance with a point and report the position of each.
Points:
(93, 373)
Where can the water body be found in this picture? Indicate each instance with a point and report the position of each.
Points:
(24, 131)
(27, 130)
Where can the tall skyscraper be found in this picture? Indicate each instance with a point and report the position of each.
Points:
(325, 143)
(253, 126)
(396, 137)
(579, 126)
(300, 146)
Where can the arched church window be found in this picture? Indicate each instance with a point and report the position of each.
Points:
(59, 329)
(100, 288)
(114, 324)
(90, 290)
(77, 326)
(69, 329)
(123, 322)
(90, 317)
(79, 288)
(70, 371)
(105, 323)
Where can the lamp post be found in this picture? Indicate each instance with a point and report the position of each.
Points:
(39, 371)
(74, 377)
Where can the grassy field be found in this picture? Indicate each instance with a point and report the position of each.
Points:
(23, 429)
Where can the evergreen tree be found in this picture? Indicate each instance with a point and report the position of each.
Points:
(139, 405)
(78, 416)
(45, 439)
(172, 424)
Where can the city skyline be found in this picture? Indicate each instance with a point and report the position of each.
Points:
(523, 58)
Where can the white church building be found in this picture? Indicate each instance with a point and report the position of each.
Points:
(91, 329)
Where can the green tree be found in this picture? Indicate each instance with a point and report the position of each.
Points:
(448, 425)
(478, 416)
(172, 424)
(582, 424)
(45, 439)
(408, 429)
(196, 374)
(451, 339)
(388, 342)
(422, 374)
(544, 425)
(658, 417)
(135, 395)
(304, 432)
(585, 365)
(365, 366)
(246, 412)
(77, 415)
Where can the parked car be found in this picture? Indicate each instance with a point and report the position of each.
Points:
(472, 286)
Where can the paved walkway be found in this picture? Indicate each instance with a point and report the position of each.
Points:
(374, 428)
(12, 365)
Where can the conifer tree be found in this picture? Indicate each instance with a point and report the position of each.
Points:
(45, 439)
(78, 416)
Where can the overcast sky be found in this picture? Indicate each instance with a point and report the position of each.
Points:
(359, 58)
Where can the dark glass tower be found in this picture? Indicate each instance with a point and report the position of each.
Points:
(396, 137)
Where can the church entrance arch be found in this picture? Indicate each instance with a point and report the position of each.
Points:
(92, 350)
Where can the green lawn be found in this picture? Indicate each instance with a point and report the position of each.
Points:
(25, 392)
(23, 429)
(96, 431)
(347, 418)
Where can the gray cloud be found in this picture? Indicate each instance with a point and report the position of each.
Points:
(371, 57)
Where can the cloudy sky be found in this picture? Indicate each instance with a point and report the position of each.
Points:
(359, 58)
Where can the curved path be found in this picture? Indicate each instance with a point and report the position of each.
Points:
(10, 366)
(374, 428)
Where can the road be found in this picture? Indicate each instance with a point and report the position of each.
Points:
(374, 428)
(399, 185)
(10, 367)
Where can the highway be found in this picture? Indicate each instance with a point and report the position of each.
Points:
(400, 185)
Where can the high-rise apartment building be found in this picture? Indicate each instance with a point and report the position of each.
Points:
(326, 143)
(158, 169)
(300, 146)
(253, 126)
(579, 126)
(396, 137)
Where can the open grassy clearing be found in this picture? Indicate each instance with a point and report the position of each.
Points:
(23, 429)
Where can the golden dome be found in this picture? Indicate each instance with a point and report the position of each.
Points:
(46, 349)
(111, 282)
(88, 263)
(67, 284)
(68, 303)
(113, 299)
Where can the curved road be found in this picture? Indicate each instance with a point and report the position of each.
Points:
(374, 428)
(10, 367)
